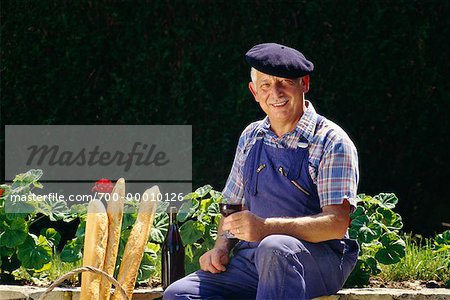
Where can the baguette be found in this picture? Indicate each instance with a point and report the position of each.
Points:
(115, 214)
(134, 249)
(96, 237)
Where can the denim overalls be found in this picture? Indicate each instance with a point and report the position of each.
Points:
(276, 184)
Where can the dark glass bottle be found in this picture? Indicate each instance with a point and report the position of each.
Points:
(172, 262)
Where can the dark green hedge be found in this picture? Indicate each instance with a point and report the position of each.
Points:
(381, 72)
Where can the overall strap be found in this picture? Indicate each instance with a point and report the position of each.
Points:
(254, 165)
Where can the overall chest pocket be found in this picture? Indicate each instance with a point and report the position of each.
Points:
(286, 163)
(293, 181)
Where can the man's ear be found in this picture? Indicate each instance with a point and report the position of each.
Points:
(304, 81)
(252, 89)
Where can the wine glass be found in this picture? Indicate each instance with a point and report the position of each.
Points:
(227, 208)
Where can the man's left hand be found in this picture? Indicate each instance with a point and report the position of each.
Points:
(245, 226)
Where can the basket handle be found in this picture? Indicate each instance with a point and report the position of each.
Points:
(85, 269)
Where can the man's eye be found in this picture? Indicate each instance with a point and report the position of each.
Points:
(264, 85)
(289, 82)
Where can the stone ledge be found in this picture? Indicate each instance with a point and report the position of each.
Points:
(389, 294)
(14, 292)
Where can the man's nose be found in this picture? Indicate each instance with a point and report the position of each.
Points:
(277, 89)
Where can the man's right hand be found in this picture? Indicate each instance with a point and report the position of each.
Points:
(214, 260)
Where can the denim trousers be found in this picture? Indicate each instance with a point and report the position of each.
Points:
(278, 267)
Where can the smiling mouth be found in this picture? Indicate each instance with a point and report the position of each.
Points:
(280, 104)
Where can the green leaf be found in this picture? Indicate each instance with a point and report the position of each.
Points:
(35, 252)
(51, 235)
(364, 200)
(131, 206)
(16, 208)
(359, 222)
(146, 268)
(72, 250)
(392, 250)
(443, 248)
(358, 212)
(128, 220)
(369, 204)
(216, 196)
(78, 209)
(152, 247)
(14, 234)
(75, 211)
(360, 275)
(205, 219)
(123, 240)
(189, 252)
(17, 188)
(210, 239)
(360, 198)
(397, 223)
(10, 263)
(353, 233)
(363, 229)
(373, 265)
(54, 209)
(28, 177)
(199, 251)
(162, 207)
(202, 191)
(370, 232)
(389, 238)
(5, 251)
(191, 261)
(204, 204)
(386, 200)
(389, 218)
(213, 209)
(159, 228)
(81, 229)
(443, 238)
(187, 209)
(191, 232)
(46, 267)
(191, 196)
(38, 185)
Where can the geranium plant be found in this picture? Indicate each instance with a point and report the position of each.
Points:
(19, 209)
(376, 227)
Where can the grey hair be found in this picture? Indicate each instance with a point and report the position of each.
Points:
(253, 75)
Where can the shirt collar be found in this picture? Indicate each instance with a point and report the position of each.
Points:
(307, 123)
(305, 127)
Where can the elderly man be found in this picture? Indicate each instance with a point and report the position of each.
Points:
(297, 173)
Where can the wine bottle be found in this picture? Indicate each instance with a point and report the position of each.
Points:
(172, 262)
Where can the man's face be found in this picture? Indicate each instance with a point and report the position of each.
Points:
(280, 98)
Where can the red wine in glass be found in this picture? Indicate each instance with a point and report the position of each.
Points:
(227, 209)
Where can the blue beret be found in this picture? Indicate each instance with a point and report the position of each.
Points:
(278, 60)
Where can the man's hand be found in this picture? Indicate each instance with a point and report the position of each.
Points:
(245, 226)
(214, 260)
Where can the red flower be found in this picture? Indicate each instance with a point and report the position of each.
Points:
(103, 186)
(1, 192)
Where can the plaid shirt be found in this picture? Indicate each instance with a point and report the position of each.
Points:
(333, 159)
